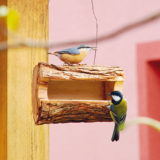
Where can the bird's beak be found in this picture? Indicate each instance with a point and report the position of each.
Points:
(109, 94)
(94, 48)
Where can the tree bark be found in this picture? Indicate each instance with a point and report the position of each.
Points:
(73, 111)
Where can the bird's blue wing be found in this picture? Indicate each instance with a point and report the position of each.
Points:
(73, 51)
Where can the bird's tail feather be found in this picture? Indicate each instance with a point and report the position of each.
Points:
(115, 135)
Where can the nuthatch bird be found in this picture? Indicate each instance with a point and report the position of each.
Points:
(73, 55)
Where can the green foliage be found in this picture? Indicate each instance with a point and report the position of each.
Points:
(12, 17)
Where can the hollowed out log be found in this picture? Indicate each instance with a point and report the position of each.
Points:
(77, 93)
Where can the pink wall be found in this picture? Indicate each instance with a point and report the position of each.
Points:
(73, 19)
(148, 59)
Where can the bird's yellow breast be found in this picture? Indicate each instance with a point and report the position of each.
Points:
(119, 109)
(73, 59)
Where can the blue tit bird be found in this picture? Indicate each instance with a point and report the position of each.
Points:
(73, 55)
(118, 110)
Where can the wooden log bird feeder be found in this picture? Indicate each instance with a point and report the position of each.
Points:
(76, 93)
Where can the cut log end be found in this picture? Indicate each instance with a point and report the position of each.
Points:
(63, 94)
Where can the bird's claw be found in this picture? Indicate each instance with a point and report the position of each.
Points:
(82, 64)
(66, 64)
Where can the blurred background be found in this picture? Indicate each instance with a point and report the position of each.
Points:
(72, 20)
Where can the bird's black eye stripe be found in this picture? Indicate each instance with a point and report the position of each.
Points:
(83, 47)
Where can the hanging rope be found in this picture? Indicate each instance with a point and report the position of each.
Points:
(96, 20)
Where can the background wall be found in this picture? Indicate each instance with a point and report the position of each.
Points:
(73, 19)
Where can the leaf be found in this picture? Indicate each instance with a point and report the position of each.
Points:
(12, 19)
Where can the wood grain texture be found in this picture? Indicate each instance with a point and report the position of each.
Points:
(80, 72)
(63, 94)
(79, 90)
(25, 140)
(63, 111)
(3, 91)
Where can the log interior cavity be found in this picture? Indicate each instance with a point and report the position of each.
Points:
(76, 90)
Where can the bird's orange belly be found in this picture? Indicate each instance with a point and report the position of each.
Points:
(72, 59)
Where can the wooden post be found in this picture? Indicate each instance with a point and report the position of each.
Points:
(20, 138)
(3, 94)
